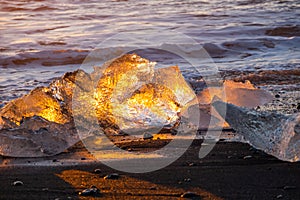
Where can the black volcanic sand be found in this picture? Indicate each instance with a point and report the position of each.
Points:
(231, 171)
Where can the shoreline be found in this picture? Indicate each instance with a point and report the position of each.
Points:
(231, 171)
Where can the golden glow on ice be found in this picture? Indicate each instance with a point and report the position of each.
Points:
(36, 103)
(129, 92)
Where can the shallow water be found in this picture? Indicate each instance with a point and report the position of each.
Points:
(42, 39)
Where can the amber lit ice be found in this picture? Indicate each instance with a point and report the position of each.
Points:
(126, 95)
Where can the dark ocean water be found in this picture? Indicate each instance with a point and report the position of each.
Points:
(42, 39)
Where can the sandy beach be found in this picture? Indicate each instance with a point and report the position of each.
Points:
(231, 171)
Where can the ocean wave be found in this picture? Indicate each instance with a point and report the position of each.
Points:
(13, 9)
(45, 29)
(49, 43)
(231, 49)
(249, 44)
(19, 8)
(285, 31)
(44, 8)
(250, 2)
(205, 15)
(45, 58)
(267, 77)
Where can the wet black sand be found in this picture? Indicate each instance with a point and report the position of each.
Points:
(231, 171)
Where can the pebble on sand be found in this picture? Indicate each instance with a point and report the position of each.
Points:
(147, 136)
(153, 188)
(18, 183)
(189, 195)
(112, 176)
(97, 171)
(289, 187)
(247, 157)
(92, 191)
(187, 180)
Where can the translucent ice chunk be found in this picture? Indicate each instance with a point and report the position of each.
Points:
(40, 123)
(118, 79)
(37, 137)
(274, 133)
(38, 102)
(52, 103)
(237, 93)
(172, 78)
(125, 93)
(150, 106)
(154, 104)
